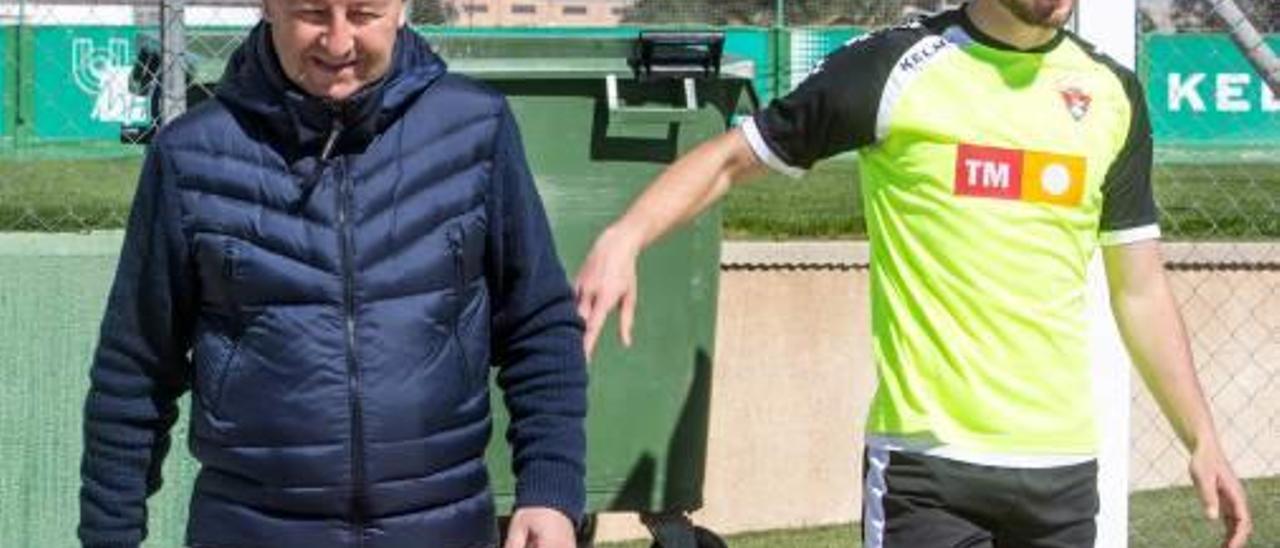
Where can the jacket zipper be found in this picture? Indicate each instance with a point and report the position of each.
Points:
(311, 182)
(353, 370)
(459, 303)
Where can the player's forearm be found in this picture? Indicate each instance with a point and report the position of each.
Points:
(1157, 341)
(688, 187)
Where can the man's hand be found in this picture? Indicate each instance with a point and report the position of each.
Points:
(1221, 494)
(607, 279)
(688, 187)
(540, 528)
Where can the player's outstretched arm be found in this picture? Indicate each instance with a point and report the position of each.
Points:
(686, 188)
(1153, 331)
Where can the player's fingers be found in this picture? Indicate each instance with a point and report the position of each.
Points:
(589, 336)
(599, 312)
(1207, 488)
(584, 297)
(517, 535)
(1236, 515)
(626, 315)
(586, 286)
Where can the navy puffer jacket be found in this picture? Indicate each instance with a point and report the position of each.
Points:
(332, 282)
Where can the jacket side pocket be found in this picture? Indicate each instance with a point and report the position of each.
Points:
(474, 374)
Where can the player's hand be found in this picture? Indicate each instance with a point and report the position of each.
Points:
(608, 279)
(1221, 494)
(540, 528)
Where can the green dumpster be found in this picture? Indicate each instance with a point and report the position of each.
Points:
(595, 135)
(597, 129)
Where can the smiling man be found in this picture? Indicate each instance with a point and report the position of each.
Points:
(329, 256)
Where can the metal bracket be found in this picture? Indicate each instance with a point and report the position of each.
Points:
(658, 114)
(671, 530)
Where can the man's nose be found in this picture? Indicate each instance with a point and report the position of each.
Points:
(339, 37)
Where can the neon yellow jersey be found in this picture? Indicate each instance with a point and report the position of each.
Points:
(990, 176)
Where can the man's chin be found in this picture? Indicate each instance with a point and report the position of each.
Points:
(1056, 20)
(335, 92)
(1050, 16)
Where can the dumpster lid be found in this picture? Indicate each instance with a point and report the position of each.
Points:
(553, 57)
(571, 68)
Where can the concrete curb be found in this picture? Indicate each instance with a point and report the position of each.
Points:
(852, 254)
(58, 244)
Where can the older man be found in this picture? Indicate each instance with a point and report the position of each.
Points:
(330, 255)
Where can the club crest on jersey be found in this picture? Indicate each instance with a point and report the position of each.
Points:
(1019, 175)
(1077, 101)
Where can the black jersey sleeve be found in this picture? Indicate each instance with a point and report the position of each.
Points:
(834, 110)
(1128, 205)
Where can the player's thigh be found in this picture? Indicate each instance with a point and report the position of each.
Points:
(905, 506)
(910, 526)
(1057, 508)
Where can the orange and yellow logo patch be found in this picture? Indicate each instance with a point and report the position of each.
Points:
(1029, 176)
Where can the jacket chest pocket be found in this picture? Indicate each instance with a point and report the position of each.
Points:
(469, 306)
(221, 262)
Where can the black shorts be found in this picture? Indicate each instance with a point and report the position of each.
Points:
(917, 501)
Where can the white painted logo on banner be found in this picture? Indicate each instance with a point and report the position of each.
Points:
(103, 73)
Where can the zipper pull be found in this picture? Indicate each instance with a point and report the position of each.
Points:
(455, 249)
(459, 267)
(334, 133)
(313, 180)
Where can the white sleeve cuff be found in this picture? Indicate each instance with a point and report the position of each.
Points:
(1130, 235)
(764, 153)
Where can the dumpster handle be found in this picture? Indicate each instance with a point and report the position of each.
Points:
(615, 103)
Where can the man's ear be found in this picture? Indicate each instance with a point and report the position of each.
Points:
(404, 14)
(265, 9)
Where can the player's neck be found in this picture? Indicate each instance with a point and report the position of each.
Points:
(996, 21)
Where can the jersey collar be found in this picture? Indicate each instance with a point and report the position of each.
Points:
(962, 15)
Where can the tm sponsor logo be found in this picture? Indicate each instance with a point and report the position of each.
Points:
(1021, 175)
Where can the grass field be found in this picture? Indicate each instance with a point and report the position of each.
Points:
(1167, 518)
(66, 196)
(1218, 201)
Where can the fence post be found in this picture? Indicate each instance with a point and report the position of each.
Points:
(781, 50)
(1250, 42)
(1112, 27)
(173, 41)
(24, 72)
(9, 86)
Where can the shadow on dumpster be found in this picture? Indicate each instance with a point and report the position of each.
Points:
(686, 454)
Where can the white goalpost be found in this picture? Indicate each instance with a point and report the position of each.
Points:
(1112, 27)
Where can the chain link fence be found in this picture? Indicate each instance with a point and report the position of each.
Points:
(80, 89)
(760, 13)
(79, 86)
(1217, 125)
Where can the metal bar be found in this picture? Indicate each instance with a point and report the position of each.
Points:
(24, 72)
(611, 92)
(1250, 42)
(173, 73)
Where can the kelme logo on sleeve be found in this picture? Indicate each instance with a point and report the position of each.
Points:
(1029, 176)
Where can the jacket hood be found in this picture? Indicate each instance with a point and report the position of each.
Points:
(254, 83)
